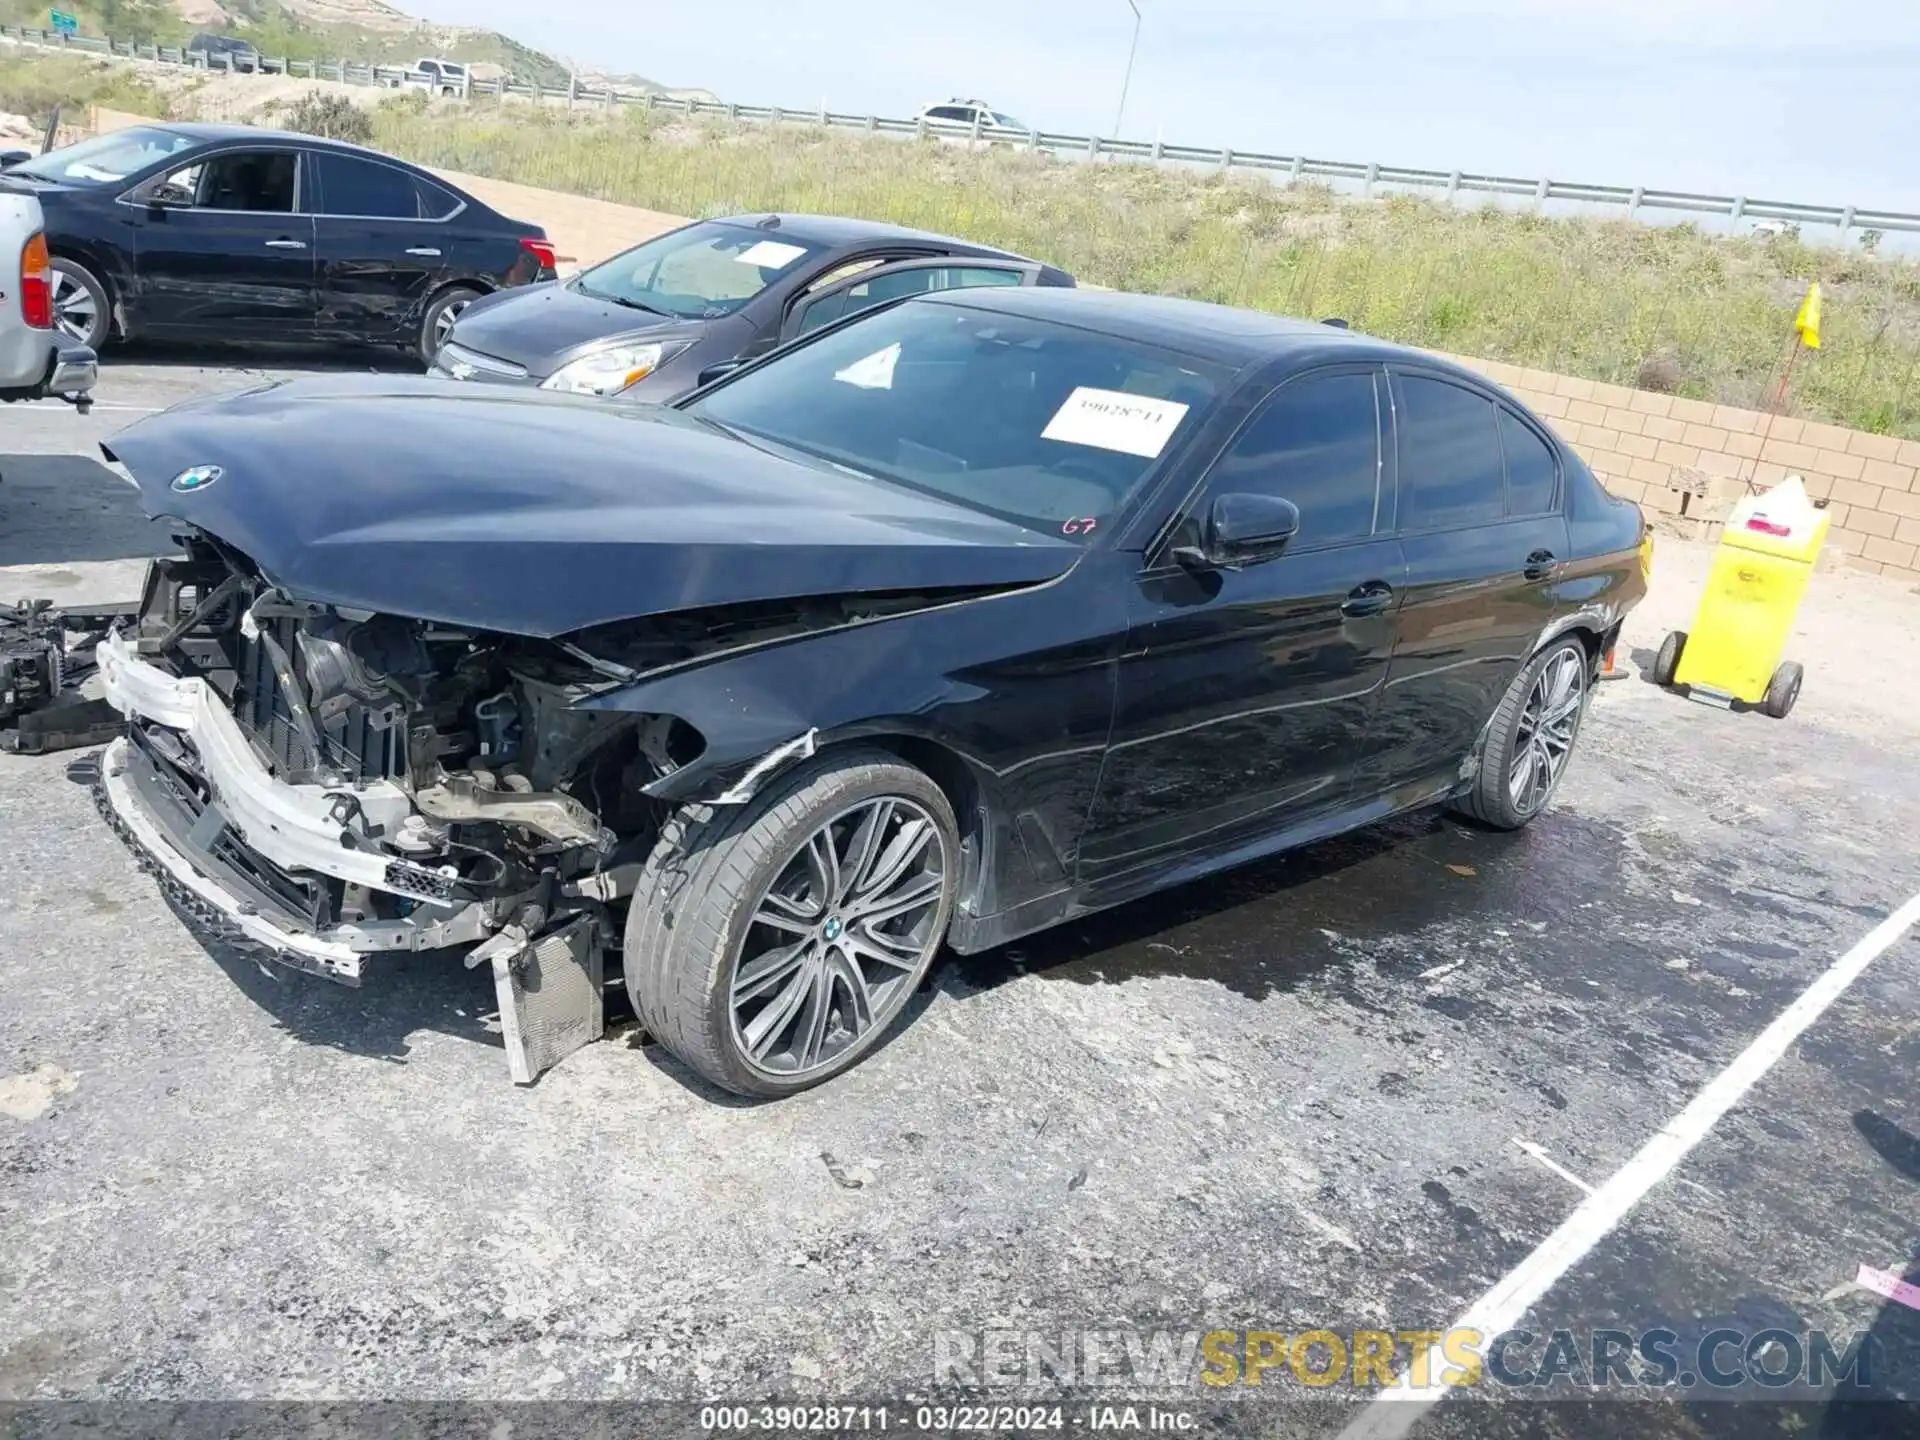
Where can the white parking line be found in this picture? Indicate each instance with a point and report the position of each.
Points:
(1399, 1408)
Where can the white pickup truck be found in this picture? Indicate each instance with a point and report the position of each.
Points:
(36, 360)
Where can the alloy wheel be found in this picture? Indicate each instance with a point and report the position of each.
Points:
(839, 937)
(74, 311)
(443, 322)
(1544, 737)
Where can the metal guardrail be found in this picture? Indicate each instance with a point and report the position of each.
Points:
(1455, 183)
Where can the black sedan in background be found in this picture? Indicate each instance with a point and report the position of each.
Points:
(963, 618)
(226, 232)
(651, 322)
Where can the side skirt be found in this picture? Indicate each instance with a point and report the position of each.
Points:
(971, 934)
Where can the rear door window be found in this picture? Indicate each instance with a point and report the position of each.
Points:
(350, 186)
(1533, 474)
(1316, 443)
(1452, 470)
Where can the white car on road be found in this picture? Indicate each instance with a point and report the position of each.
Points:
(949, 114)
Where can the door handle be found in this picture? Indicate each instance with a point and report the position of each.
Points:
(1540, 564)
(1371, 598)
(286, 244)
(424, 250)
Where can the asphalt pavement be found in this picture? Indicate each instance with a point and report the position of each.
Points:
(1350, 1089)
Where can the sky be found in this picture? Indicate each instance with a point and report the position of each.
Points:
(1811, 101)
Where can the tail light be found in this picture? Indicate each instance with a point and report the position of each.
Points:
(36, 284)
(541, 250)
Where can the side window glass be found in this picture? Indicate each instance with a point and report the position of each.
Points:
(252, 180)
(435, 203)
(182, 187)
(1532, 472)
(1451, 467)
(881, 288)
(822, 312)
(350, 186)
(1316, 443)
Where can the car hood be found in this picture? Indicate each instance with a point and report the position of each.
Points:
(535, 514)
(541, 326)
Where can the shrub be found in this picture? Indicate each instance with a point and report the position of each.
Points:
(332, 117)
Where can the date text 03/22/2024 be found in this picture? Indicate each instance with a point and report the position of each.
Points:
(941, 1419)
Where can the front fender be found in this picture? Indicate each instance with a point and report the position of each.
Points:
(754, 710)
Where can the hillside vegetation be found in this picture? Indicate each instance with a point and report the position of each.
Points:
(384, 36)
(1664, 307)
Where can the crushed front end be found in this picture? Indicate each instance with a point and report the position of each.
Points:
(325, 786)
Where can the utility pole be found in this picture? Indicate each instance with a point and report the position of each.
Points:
(1127, 82)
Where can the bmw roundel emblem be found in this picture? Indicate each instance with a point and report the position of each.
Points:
(198, 478)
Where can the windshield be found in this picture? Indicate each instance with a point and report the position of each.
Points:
(698, 273)
(107, 159)
(1045, 425)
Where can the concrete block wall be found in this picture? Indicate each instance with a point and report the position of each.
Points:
(1685, 457)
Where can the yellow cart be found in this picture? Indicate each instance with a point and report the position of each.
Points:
(1760, 571)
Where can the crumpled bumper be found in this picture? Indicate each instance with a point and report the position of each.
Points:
(234, 856)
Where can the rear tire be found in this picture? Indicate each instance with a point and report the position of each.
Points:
(1667, 663)
(81, 310)
(773, 945)
(1531, 737)
(1782, 691)
(437, 323)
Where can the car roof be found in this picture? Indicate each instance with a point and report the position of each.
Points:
(212, 133)
(838, 231)
(1219, 333)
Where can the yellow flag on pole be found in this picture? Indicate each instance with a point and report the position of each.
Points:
(1807, 322)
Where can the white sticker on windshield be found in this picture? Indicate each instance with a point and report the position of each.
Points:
(771, 255)
(1115, 420)
(873, 373)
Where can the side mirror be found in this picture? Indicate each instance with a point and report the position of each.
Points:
(167, 197)
(1241, 529)
(14, 157)
(715, 371)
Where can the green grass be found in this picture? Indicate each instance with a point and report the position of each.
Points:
(1667, 306)
(273, 30)
(32, 84)
(1704, 316)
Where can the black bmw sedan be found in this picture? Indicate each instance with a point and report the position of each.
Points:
(225, 232)
(953, 621)
(656, 320)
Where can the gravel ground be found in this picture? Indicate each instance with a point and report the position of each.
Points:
(1285, 1099)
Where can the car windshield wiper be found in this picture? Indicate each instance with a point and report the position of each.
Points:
(592, 294)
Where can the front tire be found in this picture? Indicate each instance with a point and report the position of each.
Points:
(1667, 663)
(81, 310)
(1782, 691)
(772, 946)
(1530, 738)
(437, 323)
